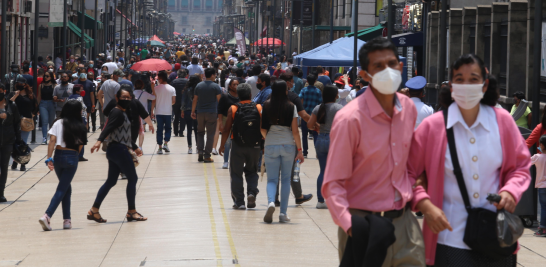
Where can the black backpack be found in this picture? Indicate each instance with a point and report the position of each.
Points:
(246, 125)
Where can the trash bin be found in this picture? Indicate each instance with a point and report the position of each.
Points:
(527, 206)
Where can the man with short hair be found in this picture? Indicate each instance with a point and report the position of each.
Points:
(310, 98)
(204, 110)
(71, 65)
(245, 147)
(194, 68)
(165, 98)
(369, 147)
(109, 89)
(179, 84)
(89, 96)
(27, 76)
(322, 77)
(126, 79)
(91, 77)
(61, 92)
(264, 85)
(298, 83)
(256, 70)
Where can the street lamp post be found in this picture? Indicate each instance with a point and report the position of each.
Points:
(3, 34)
(65, 10)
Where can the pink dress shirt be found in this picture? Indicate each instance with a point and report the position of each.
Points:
(367, 159)
(428, 150)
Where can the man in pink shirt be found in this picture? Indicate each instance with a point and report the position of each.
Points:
(370, 142)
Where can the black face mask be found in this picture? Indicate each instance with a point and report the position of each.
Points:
(2, 95)
(20, 87)
(124, 103)
(259, 86)
(64, 82)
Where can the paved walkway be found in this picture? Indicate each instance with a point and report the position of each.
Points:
(191, 222)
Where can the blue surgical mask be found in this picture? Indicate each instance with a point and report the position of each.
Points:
(90, 65)
(83, 76)
(120, 79)
(539, 149)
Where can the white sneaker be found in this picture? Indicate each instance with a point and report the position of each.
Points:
(226, 165)
(283, 218)
(44, 141)
(166, 148)
(322, 205)
(45, 222)
(214, 151)
(242, 207)
(268, 218)
(67, 224)
(160, 151)
(190, 151)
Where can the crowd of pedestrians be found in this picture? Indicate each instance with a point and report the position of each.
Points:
(381, 151)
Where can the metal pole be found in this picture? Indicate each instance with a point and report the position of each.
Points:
(355, 37)
(332, 21)
(301, 28)
(82, 27)
(390, 17)
(35, 57)
(442, 51)
(536, 62)
(268, 28)
(64, 33)
(115, 30)
(291, 25)
(106, 25)
(313, 28)
(282, 27)
(94, 51)
(273, 11)
(4, 44)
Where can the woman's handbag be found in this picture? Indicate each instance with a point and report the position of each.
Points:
(480, 233)
(27, 124)
(134, 155)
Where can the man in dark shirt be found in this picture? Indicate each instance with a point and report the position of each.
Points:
(28, 77)
(179, 84)
(323, 78)
(89, 88)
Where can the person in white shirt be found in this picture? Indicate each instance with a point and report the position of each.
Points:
(165, 99)
(416, 86)
(344, 89)
(256, 70)
(143, 96)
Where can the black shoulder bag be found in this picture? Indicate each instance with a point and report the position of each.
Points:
(480, 233)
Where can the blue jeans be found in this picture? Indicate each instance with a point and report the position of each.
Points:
(47, 115)
(119, 161)
(66, 164)
(304, 133)
(322, 145)
(279, 158)
(542, 201)
(227, 149)
(163, 122)
(24, 136)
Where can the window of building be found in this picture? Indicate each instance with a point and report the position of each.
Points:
(171, 3)
(208, 30)
(220, 4)
(184, 20)
(503, 56)
(197, 3)
(486, 44)
(336, 9)
(183, 29)
(208, 20)
(343, 8)
(472, 39)
(350, 10)
(208, 4)
(184, 4)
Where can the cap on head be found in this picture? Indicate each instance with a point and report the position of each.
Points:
(119, 73)
(416, 83)
(22, 80)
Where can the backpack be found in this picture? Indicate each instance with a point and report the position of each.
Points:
(246, 125)
(11, 80)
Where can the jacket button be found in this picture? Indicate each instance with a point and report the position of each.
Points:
(476, 195)
(475, 158)
(476, 177)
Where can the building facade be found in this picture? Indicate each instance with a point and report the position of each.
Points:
(194, 16)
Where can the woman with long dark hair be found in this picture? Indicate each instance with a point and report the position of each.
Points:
(10, 131)
(282, 144)
(46, 104)
(187, 98)
(324, 114)
(119, 155)
(487, 156)
(68, 136)
(26, 103)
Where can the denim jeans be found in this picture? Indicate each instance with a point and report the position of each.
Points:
(227, 149)
(119, 161)
(542, 201)
(304, 140)
(66, 164)
(47, 115)
(24, 136)
(191, 125)
(322, 145)
(279, 158)
(163, 122)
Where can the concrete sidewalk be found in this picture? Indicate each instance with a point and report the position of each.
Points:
(191, 222)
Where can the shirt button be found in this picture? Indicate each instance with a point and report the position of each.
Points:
(472, 140)
(476, 177)
(476, 195)
(396, 163)
(393, 144)
(475, 158)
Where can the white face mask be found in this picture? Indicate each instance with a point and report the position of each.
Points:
(387, 81)
(467, 96)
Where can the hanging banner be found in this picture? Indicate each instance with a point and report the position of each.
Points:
(56, 10)
(240, 41)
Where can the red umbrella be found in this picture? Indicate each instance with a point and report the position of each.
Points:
(152, 64)
(155, 38)
(176, 33)
(269, 42)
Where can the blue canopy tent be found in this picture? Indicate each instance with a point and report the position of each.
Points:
(337, 54)
(297, 58)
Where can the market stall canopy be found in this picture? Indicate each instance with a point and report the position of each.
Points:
(152, 64)
(269, 42)
(337, 54)
(368, 34)
(176, 33)
(155, 38)
(297, 59)
(156, 43)
(234, 42)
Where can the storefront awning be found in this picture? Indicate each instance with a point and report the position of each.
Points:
(127, 18)
(327, 28)
(89, 22)
(408, 39)
(368, 34)
(89, 42)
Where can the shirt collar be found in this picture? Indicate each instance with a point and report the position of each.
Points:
(454, 116)
(416, 99)
(375, 108)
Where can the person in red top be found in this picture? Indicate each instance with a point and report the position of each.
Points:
(534, 137)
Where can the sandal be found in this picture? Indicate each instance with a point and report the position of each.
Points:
(131, 217)
(91, 217)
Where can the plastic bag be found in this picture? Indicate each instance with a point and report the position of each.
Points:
(509, 228)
